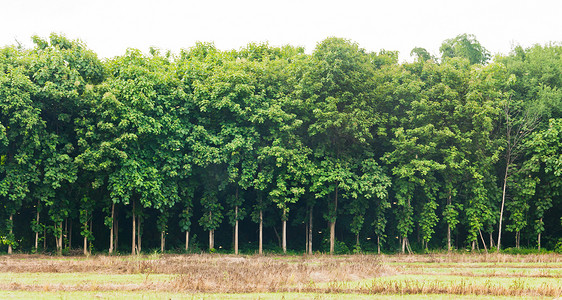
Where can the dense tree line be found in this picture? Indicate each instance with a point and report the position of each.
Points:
(265, 147)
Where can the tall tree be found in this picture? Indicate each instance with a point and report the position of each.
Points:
(338, 91)
(466, 46)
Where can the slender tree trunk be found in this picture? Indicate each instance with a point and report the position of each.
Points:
(279, 241)
(211, 234)
(10, 250)
(260, 250)
(139, 235)
(310, 231)
(306, 238)
(44, 238)
(449, 248)
(55, 225)
(66, 230)
(116, 231)
(539, 239)
(483, 242)
(112, 227)
(162, 241)
(539, 242)
(236, 229)
(378, 244)
(517, 238)
(37, 224)
(186, 241)
(134, 245)
(408, 246)
(86, 236)
(284, 234)
(502, 206)
(332, 236)
(491, 240)
(403, 245)
(333, 223)
(59, 241)
(70, 234)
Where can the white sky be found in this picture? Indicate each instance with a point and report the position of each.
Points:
(109, 27)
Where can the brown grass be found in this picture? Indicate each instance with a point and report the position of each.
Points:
(252, 274)
(473, 258)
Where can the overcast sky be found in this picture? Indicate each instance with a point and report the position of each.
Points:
(109, 27)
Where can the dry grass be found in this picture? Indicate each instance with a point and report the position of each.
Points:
(312, 274)
(473, 258)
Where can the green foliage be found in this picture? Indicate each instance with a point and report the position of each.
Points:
(465, 46)
(391, 149)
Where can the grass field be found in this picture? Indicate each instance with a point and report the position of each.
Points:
(291, 277)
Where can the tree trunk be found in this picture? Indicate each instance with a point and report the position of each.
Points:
(407, 242)
(306, 238)
(112, 227)
(403, 245)
(503, 204)
(539, 239)
(449, 248)
(310, 231)
(517, 238)
(116, 231)
(333, 223)
(66, 231)
(134, 245)
(139, 235)
(279, 242)
(332, 236)
(10, 250)
(284, 234)
(483, 242)
(236, 229)
(378, 244)
(211, 234)
(37, 224)
(539, 242)
(260, 250)
(186, 241)
(86, 236)
(70, 234)
(59, 240)
(44, 238)
(162, 241)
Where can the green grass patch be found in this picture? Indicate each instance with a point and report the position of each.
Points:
(450, 280)
(81, 278)
(534, 272)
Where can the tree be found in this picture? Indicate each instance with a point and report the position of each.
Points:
(546, 145)
(517, 130)
(21, 129)
(465, 46)
(421, 54)
(132, 139)
(338, 90)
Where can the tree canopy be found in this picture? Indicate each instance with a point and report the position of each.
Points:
(438, 153)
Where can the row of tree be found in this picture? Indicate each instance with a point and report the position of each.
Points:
(445, 152)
